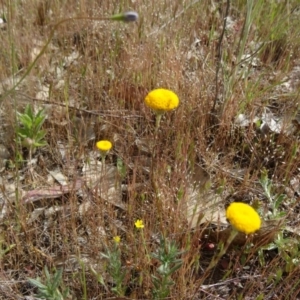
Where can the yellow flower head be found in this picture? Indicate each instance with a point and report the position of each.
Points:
(104, 145)
(139, 224)
(162, 100)
(117, 239)
(243, 217)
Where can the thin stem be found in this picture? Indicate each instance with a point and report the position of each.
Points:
(240, 52)
(219, 55)
(103, 164)
(216, 259)
(157, 123)
(146, 249)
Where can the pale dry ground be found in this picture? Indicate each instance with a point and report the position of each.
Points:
(92, 80)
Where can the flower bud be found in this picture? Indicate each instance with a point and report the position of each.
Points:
(130, 16)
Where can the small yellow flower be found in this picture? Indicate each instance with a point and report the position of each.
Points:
(104, 145)
(139, 224)
(117, 239)
(243, 217)
(162, 100)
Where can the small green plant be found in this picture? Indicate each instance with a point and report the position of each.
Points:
(51, 289)
(276, 200)
(168, 256)
(287, 247)
(121, 167)
(115, 269)
(29, 132)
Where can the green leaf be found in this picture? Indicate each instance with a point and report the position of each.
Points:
(37, 283)
(29, 111)
(26, 121)
(121, 168)
(57, 278)
(40, 135)
(175, 268)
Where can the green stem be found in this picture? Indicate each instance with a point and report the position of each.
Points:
(145, 246)
(216, 259)
(103, 156)
(157, 124)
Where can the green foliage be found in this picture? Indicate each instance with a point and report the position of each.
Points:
(167, 254)
(274, 201)
(115, 270)
(288, 249)
(29, 130)
(121, 167)
(51, 289)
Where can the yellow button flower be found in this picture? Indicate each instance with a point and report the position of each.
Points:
(243, 217)
(139, 224)
(104, 145)
(162, 100)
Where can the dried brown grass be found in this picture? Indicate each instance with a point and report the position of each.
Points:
(117, 65)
